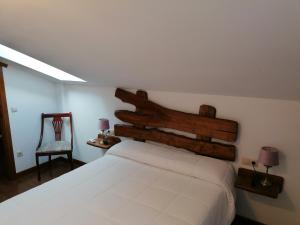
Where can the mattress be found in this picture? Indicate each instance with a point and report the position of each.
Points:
(133, 184)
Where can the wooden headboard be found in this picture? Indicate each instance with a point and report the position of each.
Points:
(149, 117)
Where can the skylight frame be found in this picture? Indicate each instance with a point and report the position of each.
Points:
(32, 63)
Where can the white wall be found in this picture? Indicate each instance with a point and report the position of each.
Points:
(262, 122)
(88, 104)
(31, 94)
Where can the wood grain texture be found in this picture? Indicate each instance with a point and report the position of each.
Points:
(144, 95)
(26, 180)
(158, 116)
(212, 149)
(206, 111)
(111, 141)
(248, 182)
(149, 117)
(6, 151)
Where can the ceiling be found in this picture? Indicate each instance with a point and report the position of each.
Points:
(230, 47)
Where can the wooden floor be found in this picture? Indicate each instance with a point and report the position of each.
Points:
(29, 180)
(239, 220)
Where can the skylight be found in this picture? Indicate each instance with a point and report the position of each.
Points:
(25, 60)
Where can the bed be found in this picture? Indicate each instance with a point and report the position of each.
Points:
(180, 181)
(133, 184)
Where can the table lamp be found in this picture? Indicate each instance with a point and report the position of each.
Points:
(268, 157)
(104, 127)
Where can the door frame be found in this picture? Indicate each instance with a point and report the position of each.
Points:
(9, 160)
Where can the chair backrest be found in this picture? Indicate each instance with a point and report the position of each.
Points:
(57, 122)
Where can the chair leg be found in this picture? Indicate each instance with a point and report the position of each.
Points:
(38, 167)
(50, 164)
(70, 160)
(49, 161)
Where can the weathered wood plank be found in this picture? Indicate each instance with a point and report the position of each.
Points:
(206, 111)
(142, 94)
(188, 124)
(212, 149)
(158, 116)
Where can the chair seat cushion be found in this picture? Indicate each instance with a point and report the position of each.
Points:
(55, 146)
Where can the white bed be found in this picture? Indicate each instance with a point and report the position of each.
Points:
(133, 184)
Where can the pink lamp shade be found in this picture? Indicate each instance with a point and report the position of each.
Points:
(269, 156)
(104, 124)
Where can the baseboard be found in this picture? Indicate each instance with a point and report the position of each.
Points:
(34, 168)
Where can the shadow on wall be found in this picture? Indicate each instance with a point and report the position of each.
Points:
(246, 206)
(282, 168)
(283, 202)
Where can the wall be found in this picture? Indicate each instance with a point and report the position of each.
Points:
(262, 122)
(31, 94)
(88, 104)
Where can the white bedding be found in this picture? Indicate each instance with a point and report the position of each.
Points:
(133, 184)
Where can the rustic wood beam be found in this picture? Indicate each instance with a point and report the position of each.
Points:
(194, 125)
(142, 94)
(157, 116)
(206, 111)
(211, 149)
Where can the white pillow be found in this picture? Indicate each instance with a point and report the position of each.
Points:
(173, 159)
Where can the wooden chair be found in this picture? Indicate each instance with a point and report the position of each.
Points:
(57, 147)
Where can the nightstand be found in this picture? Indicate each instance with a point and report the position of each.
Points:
(245, 181)
(111, 141)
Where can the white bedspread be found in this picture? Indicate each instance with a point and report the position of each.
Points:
(129, 188)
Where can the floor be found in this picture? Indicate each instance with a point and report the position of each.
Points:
(239, 220)
(28, 180)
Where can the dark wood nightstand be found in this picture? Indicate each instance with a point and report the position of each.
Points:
(111, 141)
(245, 181)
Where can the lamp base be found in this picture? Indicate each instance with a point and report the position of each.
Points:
(266, 183)
(103, 137)
(104, 141)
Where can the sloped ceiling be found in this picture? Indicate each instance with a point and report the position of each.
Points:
(230, 47)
